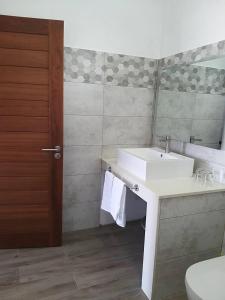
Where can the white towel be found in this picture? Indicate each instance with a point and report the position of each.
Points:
(107, 191)
(114, 198)
(118, 202)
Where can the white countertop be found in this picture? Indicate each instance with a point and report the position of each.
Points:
(164, 188)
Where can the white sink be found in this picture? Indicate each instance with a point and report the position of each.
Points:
(153, 163)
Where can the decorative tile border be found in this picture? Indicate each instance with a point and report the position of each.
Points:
(83, 65)
(87, 66)
(124, 70)
(192, 79)
(196, 55)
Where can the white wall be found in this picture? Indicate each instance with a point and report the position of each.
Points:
(188, 24)
(150, 28)
(129, 27)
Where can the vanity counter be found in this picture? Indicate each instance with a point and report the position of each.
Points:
(184, 224)
(164, 188)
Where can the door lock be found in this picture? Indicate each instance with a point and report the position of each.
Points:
(57, 155)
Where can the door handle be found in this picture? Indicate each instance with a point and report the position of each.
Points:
(56, 149)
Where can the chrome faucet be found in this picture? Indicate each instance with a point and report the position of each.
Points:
(167, 140)
(193, 139)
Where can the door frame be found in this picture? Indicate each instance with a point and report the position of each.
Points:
(56, 43)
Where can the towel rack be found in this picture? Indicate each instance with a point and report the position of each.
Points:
(134, 187)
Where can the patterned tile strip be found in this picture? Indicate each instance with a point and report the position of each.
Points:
(87, 66)
(193, 79)
(124, 70)
(83, 66)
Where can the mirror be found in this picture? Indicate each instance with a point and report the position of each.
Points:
(191, 103)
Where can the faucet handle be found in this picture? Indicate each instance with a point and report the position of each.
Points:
(164, 138)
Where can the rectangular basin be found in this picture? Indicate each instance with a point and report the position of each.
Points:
(153, 163)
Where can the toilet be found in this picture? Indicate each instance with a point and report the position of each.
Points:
(206, 280)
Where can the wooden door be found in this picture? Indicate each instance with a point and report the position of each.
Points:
(31, 119)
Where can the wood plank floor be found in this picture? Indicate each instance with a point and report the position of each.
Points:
(96, 264)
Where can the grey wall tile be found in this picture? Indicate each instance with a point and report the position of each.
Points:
(128, 101)
(214, 81)
(127, 70)
(176, 73)
(210, 131)
(81, 188)
(170, 275)
(126, 130)
(90, 77)
(82, 130)
(205, 123)
(223, 248)
(179, 129)
(77, 216)
(110, 151)
(190, 234)
(209, 107)
(175, 104)
(179, 73)
(83, 65)
(183, 78)
(83, 99)
(181, 206)
(192, 79)
(82, 160)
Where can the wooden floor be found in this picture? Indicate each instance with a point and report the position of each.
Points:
(97, 264)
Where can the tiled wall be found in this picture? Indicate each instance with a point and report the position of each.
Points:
(223, 248)
(193, 79)
(191, 101)
(176, 79)
(108, 104)
(181, 115)
(179, 85)
(191, 229)
(182, 83)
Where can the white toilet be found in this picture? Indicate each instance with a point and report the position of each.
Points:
(206, 280)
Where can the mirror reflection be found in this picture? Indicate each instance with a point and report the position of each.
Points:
(191, 103)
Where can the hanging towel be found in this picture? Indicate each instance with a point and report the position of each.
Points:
(118, 202)
(114, 198)
(107, 191)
